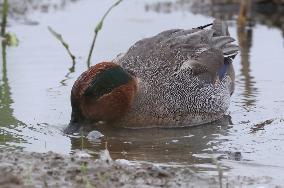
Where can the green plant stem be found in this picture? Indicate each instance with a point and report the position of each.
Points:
(4, 17)
(97, 29)
(66, 46)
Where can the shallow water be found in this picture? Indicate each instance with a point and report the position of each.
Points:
(37, 77)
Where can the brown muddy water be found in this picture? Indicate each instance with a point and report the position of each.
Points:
(37, 76)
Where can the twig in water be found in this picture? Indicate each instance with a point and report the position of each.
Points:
(60, 38)
(97, 29)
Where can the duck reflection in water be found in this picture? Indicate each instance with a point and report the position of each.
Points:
(155, 144)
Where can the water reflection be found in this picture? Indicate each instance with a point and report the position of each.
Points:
(270, 13)
(245, 33)
(20, 9)
(9, 133)
(68, 75)
(158, 144)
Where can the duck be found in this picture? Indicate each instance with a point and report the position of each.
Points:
(177, 78)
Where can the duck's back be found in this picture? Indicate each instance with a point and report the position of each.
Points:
(176, 70)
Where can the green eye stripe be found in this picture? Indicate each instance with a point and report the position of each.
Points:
(106, 81)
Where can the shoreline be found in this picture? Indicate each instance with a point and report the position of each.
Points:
(30, 169)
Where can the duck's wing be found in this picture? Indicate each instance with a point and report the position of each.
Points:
(197, 50)
(176, 69)
(158, 55)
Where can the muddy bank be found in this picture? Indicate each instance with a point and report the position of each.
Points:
(19, 169)
(25, 169)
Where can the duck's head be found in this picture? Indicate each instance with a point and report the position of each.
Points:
(104, 92)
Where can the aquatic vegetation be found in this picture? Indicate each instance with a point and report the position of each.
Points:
(9, 39)
(96, 32)
(97, 29)
(4, 17)
(7, 117)
(85, 179)
(65, 44)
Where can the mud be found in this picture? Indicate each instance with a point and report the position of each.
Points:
(30, 169)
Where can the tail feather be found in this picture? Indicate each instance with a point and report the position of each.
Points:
(219, 42)
(221, 39)
(230, 50)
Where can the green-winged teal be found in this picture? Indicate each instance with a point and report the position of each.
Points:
(176, 78)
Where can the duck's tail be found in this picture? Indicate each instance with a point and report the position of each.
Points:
(221, 39)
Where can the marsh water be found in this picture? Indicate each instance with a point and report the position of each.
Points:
(36, 78)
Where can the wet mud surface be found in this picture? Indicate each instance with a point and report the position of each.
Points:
(20, 169)
(30, 169)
